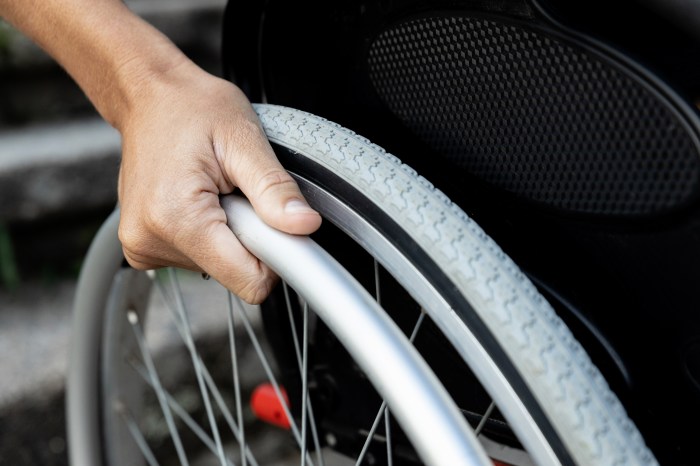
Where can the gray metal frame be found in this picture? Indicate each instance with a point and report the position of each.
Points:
(428, 415)
(426, 412)
(82, 392)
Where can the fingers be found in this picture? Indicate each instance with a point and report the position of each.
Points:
(251, 164)
(203, 243)
(221, 256)
(146, 252)
(155, 262)
(194, 143)
(276, 198)
(225, 259)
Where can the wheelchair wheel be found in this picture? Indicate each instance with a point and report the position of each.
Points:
(510, 366)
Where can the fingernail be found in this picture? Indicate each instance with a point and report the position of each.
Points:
(296, 206)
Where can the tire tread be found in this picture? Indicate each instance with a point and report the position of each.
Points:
(573, 393)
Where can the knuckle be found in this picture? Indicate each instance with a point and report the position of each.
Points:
(249, 130)
(254, 290)
(135, 263)
(127, 236)
(157, 221)
(247, 133)
(134, 242)
(276, 180)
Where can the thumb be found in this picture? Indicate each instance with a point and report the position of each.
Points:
(272, 191)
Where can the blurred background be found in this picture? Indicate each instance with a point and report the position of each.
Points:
(58, 174)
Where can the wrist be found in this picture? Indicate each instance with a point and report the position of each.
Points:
(139, 74)
(110, 52)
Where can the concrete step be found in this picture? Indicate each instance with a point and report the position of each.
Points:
(56, 155)
(58, 168)
(66, 159)
(33, 87)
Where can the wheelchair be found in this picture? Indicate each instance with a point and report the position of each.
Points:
(533, 244)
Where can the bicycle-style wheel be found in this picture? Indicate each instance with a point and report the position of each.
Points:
(509, 364)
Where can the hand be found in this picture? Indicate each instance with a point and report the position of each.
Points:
(188, 141)
(187, 138)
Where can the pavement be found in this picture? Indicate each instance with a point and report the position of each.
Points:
(34, 337)
(58, 168)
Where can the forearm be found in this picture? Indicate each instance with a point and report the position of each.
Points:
(111, 53)
(187, 138)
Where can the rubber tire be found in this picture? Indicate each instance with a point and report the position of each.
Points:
(550, 371)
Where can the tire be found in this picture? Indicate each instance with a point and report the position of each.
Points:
(554, 401)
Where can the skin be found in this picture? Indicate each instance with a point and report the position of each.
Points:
(187, 137)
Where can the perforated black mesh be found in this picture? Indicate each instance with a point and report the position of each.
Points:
(535, 115)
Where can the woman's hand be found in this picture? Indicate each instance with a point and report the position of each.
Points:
(189, 140)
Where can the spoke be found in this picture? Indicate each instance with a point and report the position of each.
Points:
(208, 379)
(371, 433)
(236, 381)
(416, 327)
(482, 423)
(155, 382)
(227, 415)
(270, 376)
(304, 380)
(295, 339)
(382, 408)
(179, 411)
(196, 362)
(377, 291)
(387, 422)
(138, 438)
(387, 428)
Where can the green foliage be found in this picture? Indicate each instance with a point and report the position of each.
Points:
(9, 275)
(5, 40)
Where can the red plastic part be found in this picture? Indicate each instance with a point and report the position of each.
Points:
(268, 407)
